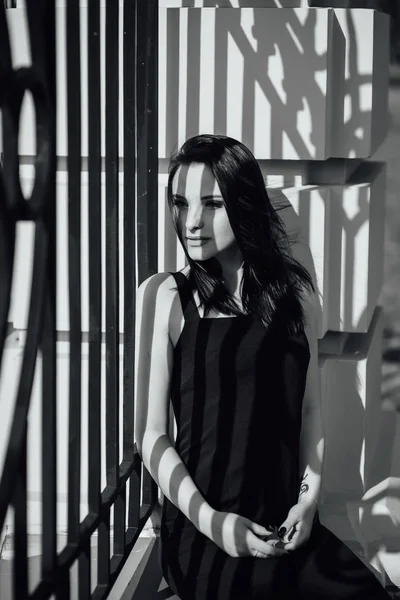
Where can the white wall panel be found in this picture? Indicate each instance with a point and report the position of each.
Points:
(366, 82)
(265, 92)
(376, 517)
(376, 521)
(309, 219)
(360, 222)
(351, 406)
(292, 83)
(344, 228)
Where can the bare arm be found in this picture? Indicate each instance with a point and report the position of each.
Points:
(311, 439)
(296, 528)
(155, 310)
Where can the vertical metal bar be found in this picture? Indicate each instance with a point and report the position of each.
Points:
(63, 591)
(103, 551)
(146, 211)
(193, 67)
(141, 140)
(5, 54)
(94, 236)
(7, 220)
(42, 26)
(84, 572)
(134, 494)
(74, 266)
(152, 130)
(173, 67)
(119, 523)
(149, 487)
(130, 178)
(112, 244)
(20, 563)
(129, 249)
(129, 89)
(7, 251)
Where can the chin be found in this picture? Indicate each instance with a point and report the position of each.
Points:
(199, 254)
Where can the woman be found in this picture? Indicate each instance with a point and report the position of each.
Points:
(231, 342)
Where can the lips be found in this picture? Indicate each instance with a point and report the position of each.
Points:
(199, 241)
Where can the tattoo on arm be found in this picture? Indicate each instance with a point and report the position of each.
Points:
(304, 487)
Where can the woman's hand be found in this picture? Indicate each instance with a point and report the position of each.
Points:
(240, 537)
(296, 529)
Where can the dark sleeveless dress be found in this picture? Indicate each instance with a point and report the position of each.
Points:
(237, 390)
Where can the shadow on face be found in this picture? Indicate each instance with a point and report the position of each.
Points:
(200, 214)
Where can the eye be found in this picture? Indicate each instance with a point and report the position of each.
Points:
(179, 203)
(215, 204)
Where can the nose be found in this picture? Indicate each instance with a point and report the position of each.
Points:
(194, 219)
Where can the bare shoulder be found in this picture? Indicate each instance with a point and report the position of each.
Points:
(159, 284)
(158, 302)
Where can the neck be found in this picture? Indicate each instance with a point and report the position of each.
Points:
(232, 270)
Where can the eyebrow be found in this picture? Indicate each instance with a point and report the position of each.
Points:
(207, 197)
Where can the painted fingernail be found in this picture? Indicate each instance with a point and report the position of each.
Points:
(282, 531)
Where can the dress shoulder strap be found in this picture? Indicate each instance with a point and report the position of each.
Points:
(189, 308)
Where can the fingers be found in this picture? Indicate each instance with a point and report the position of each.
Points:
(299, 538)
(259, 529)
(291, 533)
(293, 542)
(287, 526)
(269, 549)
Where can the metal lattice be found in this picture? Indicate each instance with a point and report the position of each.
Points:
(139, 55)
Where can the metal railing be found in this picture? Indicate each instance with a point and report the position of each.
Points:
(139, 53)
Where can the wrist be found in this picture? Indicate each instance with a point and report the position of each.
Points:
(206, 518)
(310, 503)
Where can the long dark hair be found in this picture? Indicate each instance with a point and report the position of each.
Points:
(273, 279)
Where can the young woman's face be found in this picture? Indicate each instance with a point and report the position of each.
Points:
(201, 213)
